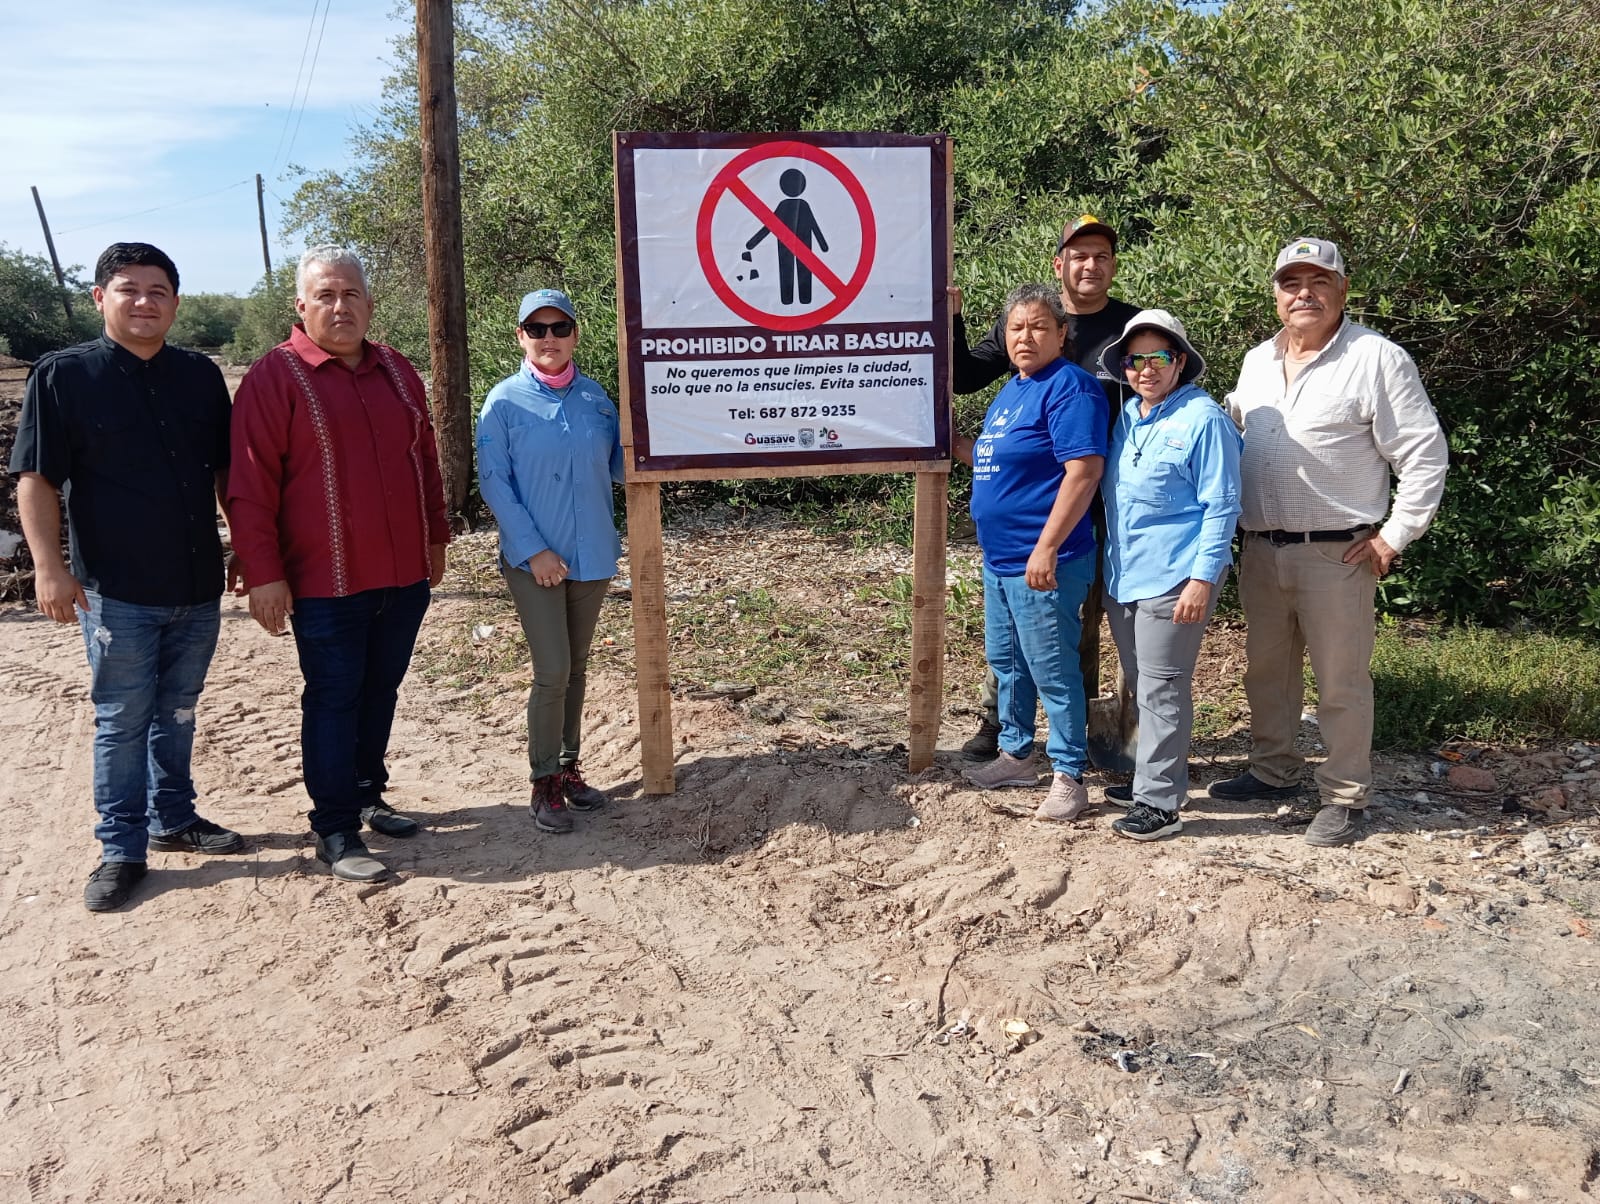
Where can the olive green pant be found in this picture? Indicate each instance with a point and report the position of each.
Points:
(559, 621)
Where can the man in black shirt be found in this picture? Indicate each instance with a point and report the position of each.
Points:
(134, 434)
(1086, 264)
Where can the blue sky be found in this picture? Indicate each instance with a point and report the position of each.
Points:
(112, 109)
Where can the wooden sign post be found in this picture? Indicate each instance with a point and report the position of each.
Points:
(782, 312)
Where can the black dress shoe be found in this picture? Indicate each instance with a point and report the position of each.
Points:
(111, 883)
(382, 818)
(202, 836)
(345, 853)
(1248, 786)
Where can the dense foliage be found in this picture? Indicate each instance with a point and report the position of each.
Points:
(32, 318)
(206, 321)
(265, 317)
(1450, 147)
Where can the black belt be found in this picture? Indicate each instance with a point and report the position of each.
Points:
(1278, 538)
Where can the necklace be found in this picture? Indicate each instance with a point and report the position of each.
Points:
(1140, 444)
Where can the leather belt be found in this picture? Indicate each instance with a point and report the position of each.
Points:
(1278, 538)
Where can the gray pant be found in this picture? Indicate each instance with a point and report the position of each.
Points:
(559, 621)
(1158, 657)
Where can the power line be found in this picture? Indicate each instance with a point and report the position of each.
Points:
(294, 96)
(310, 75)
(157, 208)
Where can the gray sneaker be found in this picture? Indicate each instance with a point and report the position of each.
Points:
(1068, 799)
(1335, 825)
(1004, 770)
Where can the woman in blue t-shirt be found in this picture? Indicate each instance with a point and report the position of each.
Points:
(548, 450)
(1171, 488)
(1035, 469)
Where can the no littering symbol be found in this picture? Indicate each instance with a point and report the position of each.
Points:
(801, 239)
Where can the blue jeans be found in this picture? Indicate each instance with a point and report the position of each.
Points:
(354, 652)
(1030, 637)
(147, 666)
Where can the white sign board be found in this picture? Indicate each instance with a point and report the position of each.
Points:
(784, 301)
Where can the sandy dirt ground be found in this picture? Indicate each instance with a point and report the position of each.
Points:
(788, 981)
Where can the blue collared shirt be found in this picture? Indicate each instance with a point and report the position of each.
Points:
(1171, 488)
(545, 467)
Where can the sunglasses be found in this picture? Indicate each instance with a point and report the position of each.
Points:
(536, 330)
(1158, 359)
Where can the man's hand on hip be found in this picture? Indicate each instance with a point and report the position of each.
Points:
(1375, 552)
(271, 605)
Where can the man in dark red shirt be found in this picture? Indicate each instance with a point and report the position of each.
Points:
(339, 519)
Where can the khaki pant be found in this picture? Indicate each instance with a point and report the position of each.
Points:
(1302, 598)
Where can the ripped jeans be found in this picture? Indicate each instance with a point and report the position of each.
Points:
(147, 665)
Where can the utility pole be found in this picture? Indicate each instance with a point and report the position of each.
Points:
(55, 261)
(261, 212)
(441, 218)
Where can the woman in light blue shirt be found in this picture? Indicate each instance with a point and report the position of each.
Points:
(1171, 490)
(549, 447)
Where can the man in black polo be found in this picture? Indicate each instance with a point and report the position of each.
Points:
(134, 433)
(1086, 264)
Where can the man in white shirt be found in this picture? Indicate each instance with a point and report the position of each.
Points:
(1327, 408)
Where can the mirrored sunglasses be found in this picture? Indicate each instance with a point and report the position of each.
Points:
(1158, 359)
(536, 330)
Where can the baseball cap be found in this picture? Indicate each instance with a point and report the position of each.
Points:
(1318, 252)
(1087, 223)
(554, 298)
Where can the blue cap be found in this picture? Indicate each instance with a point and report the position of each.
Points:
(553, 298)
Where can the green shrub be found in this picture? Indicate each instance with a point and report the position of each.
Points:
(32, 319)
(1474, 684)
(206, 321)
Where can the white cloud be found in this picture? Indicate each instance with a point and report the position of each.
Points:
(92, 89)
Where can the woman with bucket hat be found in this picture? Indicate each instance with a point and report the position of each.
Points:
(1171, 490)
(549, 447)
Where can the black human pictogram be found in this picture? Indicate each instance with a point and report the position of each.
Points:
(795, 214)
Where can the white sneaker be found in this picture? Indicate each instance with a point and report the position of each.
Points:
(1068, 799)
(1004, 770)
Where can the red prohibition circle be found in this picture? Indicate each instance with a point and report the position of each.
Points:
(720, 184)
